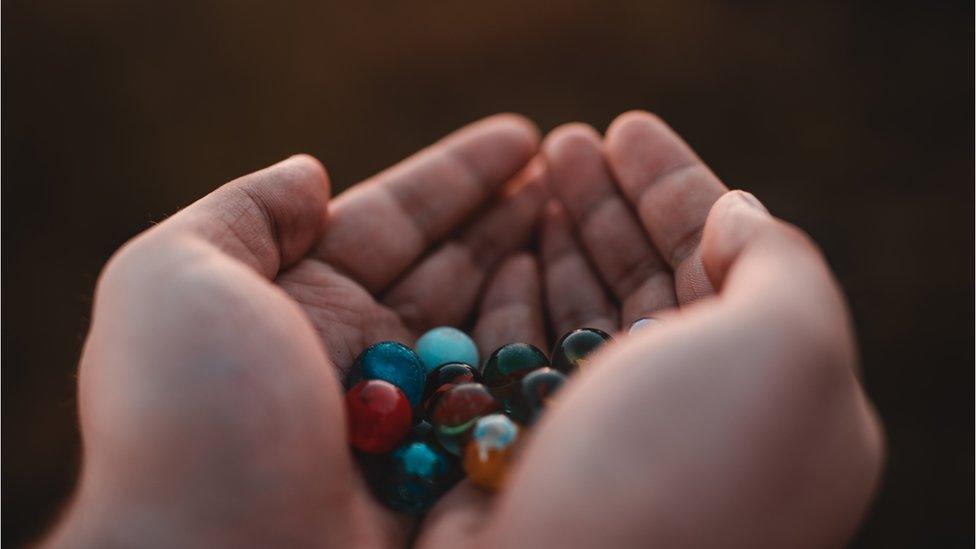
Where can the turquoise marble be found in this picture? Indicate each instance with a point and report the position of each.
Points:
(392, 362)
(420, 473)
(444, 345)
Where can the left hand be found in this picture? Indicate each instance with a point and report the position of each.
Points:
(209, 388)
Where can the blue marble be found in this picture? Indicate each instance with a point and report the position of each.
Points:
(420, 472)
(444, 345)
(393, 362)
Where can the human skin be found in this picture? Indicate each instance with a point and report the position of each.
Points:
(210, 389)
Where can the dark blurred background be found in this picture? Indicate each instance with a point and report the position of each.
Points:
(853, 121)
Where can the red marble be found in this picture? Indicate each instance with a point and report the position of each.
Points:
(378, 415)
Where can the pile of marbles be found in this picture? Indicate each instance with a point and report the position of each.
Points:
(422, 419)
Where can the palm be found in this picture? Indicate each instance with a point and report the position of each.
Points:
(210, 392)
(250, 305)
(619, 243)
(714, 428)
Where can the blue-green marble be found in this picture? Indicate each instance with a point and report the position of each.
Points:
(420, 473)
(393, 362)
(444, 345)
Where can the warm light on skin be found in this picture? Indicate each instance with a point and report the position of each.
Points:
(211, 408)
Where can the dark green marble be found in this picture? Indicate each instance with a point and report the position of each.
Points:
(510, 363)
(534, 392)
(573, 349)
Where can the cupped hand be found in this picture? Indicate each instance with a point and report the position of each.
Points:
(210, 388)
(735, 420)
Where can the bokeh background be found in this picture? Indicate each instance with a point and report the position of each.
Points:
(854, 121)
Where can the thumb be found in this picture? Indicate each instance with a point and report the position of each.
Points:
(772, 270)
(267, 219)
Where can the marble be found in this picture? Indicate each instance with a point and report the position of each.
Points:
(445, 345)
(393, 362)
(458, 409)
(573, 349)
(511, 362)
(443, 378)
(535, 391)
(378, 416)
(488, 454)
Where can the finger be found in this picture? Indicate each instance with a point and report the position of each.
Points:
(267, 220)
(457, 518)
(669, 187)
(380, 227)
(742, 415)
(462, 263)
(511, 310)
(611, 235)
(574, 297)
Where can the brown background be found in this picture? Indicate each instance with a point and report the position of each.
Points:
(854, 121)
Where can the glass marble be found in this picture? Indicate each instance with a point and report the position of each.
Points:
(444, 345)
(535, 391)
(393, 362)
(456, 412)
(507, 365)
(378, 416)
(443, 378)
(489, 452)
(642, 324)
(511, 362)
(571, 351)
(415, 475)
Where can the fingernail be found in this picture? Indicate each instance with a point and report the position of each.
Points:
(751, 200)
(643, 324)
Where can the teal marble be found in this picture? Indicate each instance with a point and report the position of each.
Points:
(420, 472)
(444, 345)
(511, 362)
(395, 363)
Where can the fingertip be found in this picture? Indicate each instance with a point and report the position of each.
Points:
(517, 127)
(570, 138)
(750, 198)
(733, 209)
(633, 124)
(734, 219)
(309, 168)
